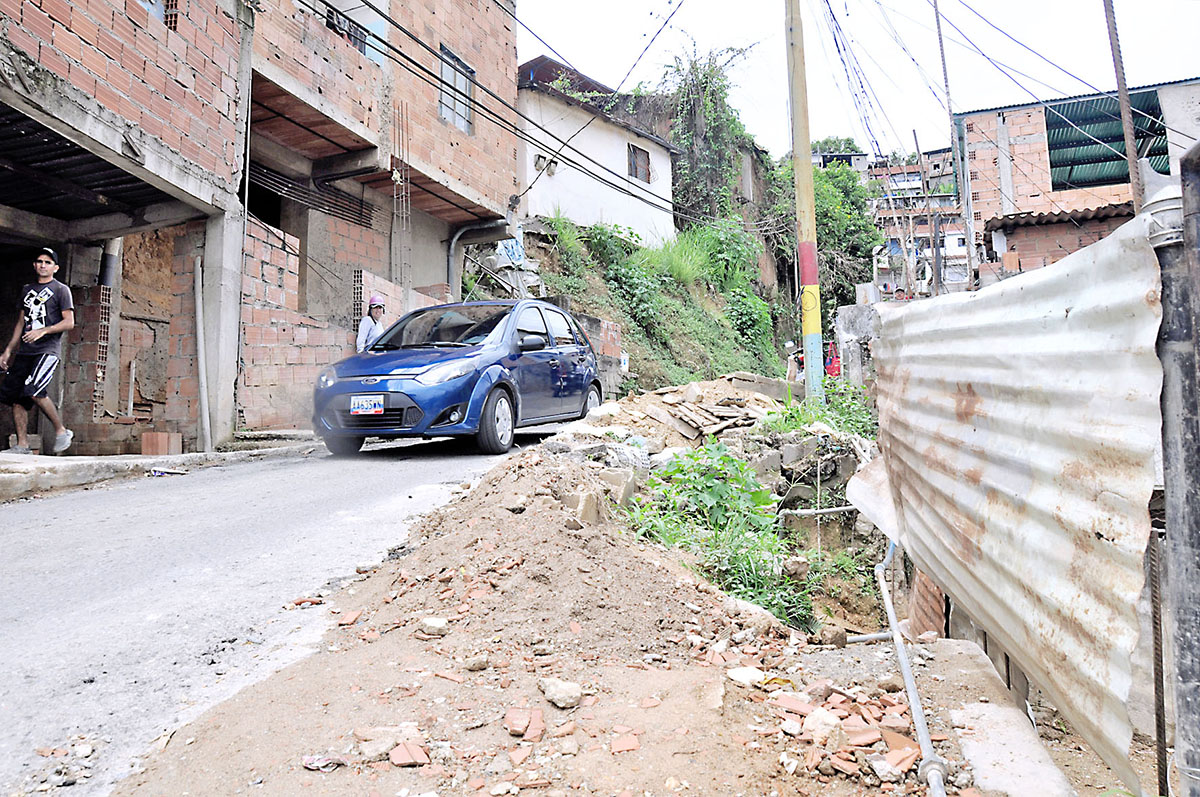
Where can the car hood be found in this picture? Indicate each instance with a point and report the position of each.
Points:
(382, 363)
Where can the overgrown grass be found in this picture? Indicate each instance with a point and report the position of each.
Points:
(709, 502)
(684, 260)
(846, 409)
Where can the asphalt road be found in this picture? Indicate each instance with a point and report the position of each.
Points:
(130, 608)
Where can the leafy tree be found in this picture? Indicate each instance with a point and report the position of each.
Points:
(846, 233)
(831, 144)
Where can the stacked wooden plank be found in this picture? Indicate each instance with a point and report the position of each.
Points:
(694, 419)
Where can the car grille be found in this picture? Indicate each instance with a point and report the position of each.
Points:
(389, 419)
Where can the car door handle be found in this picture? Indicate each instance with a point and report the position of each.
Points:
(554, 363)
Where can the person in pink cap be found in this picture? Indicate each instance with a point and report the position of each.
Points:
(371, 326)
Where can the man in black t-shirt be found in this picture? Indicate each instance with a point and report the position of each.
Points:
(31, 357)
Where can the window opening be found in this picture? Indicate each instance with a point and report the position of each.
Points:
(356, 34)
(458, 92)
(639, 163)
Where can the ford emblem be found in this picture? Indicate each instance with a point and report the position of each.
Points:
(370, 380)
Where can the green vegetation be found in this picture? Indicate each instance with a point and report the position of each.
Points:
(835, 144)
(846, 409)
(675, 330)
(710, 503)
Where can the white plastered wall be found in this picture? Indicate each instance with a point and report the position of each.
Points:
(580, 197)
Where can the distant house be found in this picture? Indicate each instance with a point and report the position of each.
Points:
(1045, 179)
(611, 171)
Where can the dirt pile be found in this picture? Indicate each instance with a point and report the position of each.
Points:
(526, 644)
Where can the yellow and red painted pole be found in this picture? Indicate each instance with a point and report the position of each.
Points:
(808, 284)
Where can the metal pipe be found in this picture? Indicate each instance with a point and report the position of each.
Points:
(1131, 152)
(483, 225)
(933, 766)
(110, 261)
(201, 360)
(878, 636)
(1179, 260)
(833, 510)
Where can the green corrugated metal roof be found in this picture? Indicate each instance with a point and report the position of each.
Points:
(1074, 129)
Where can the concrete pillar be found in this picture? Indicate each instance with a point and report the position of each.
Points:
(223, 236)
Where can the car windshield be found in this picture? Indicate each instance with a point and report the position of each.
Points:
(437, 327)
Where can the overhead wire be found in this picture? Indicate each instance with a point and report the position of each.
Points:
(1073, 76)
(410, 64)
(531, 32)
(611, 97)
(899, 40)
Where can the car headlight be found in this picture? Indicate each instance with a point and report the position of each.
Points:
(445, 372)
(327, 378)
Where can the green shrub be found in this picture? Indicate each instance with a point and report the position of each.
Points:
(711, 503)
(684, 259)
(732, 254)
(569, 242)
(638, 289)
(846, 409)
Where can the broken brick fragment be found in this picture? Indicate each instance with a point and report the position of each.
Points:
(625, 744)
(408, 754)
(516, 721)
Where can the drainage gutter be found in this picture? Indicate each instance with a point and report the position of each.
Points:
(933, 767)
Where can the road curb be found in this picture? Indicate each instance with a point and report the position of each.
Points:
(24, 474)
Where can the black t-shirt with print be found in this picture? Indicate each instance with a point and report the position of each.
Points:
(42, 305)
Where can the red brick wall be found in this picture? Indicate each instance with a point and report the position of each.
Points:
(367, 285)
(178, 86)
(482, 35)
(90, 349)
(282, 350)
(292, 36)
(1048, 243)
(1031, 191)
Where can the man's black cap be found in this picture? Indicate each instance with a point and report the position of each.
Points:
(45, 250)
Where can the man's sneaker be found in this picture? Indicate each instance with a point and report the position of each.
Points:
(18, 450)
(63, 441)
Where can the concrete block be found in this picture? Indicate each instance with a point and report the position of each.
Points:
(161, 443)
(622, 482)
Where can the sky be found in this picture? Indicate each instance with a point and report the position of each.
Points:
(603, 40)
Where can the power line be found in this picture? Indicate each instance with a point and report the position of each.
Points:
(546, 44)
(1073, 76)
(1026, 89)
(393, 53)
(636, 61)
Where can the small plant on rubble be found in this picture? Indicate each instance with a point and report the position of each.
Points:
(845, 410)
(711, 503)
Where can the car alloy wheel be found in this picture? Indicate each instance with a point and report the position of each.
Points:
(504, 420)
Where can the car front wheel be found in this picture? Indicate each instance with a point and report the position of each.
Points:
(497, 423)
(344, 446)
(591, 402)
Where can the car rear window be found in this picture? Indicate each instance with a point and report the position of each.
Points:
(530, 322)
(560, 330)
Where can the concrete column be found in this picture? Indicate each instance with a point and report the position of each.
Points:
(222, 265)
(1005, 162)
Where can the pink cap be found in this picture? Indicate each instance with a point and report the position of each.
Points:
(376, 301)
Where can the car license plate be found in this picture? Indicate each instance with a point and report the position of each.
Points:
(366, 405)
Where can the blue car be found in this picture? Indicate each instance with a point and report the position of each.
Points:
(473, 368)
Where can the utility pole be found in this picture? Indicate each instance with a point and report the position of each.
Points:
(1131, 153)
(806, 215)
(959, 149)
(934, 244)
(935, 232)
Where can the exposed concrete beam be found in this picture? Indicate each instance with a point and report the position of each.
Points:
(278, 76)
(278, 157)
(38, 93)
(352, 164)
(33, 226)
(115, 225)
(60, 185)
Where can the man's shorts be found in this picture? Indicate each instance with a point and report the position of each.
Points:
(28, 378)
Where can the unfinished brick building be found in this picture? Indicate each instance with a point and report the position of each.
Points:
(303, 155)
(1047, 179)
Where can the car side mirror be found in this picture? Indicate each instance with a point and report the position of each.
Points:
(533, 343)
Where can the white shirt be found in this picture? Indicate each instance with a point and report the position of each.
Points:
(369, 331)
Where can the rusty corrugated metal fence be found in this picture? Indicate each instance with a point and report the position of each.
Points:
(1019, 431)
